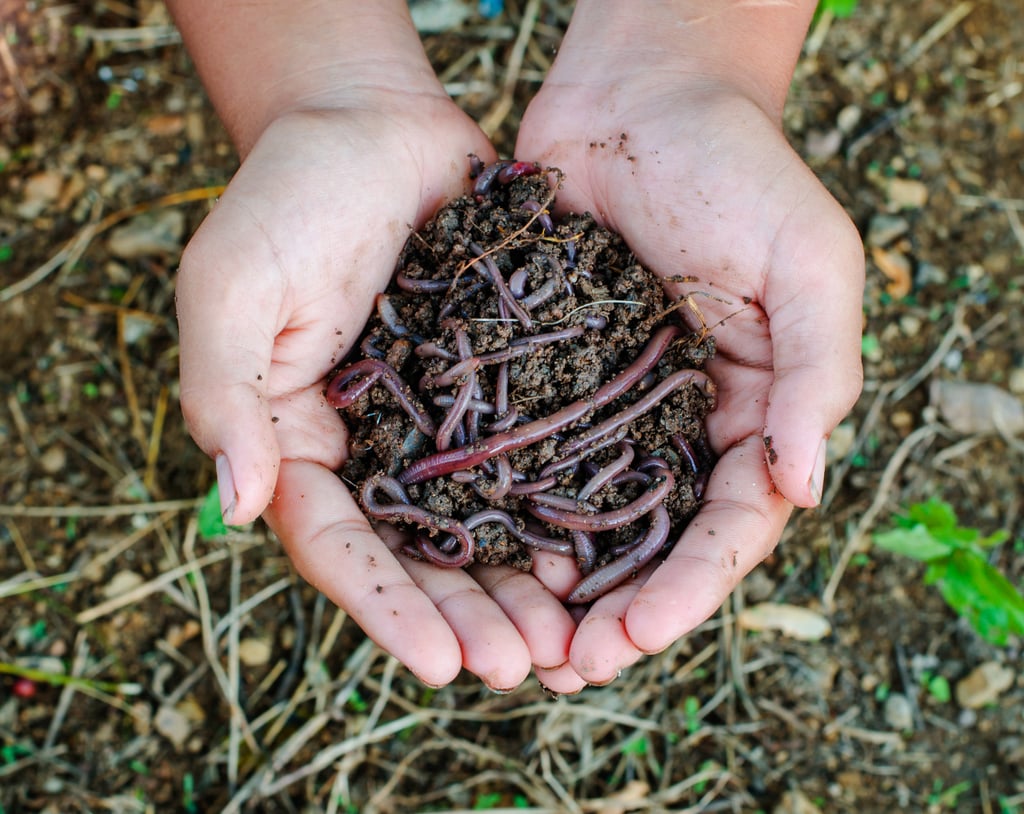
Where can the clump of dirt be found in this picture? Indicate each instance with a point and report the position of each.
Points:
(516, 344)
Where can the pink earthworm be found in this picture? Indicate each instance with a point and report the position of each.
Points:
(475, 404)
(609, 576)
(605, 474)
(646, 402)
(687, 452)
(543, 218)
(457, 412)
(605, 521)
(417, 286)
(585, 550)
(486, 177)
(533, 486)
(402, 508)
(516, 169)
(341, 393)
(573, 461)
(515, 348)
(502, 483)
(441, 463)
(525, 536)
(501, 287)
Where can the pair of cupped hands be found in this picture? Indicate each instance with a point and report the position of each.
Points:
(276, 286)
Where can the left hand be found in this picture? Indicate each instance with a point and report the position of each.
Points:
(699, 180)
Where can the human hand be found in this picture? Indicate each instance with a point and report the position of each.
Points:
(683, 155)
(273, 291)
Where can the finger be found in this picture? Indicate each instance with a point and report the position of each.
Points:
(815, 321)
(737, 527)
(492, 647)
(538, 615)
(227, 334)
(601, 648)
(558, 574)
(562, 680)
(333, 547)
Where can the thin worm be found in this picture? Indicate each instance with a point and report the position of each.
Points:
(609, 576)
(525, 536)
(605, 474)
(441, 463)
(341, 393)
(585, 550)
(605, 521)
(648, 401)
(402, 508)
(416, 286)
(457, 412)
(501, 286)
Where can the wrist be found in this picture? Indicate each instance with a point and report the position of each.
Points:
(260, 63)
(750, 48)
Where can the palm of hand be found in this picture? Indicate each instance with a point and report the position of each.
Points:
(716, 195)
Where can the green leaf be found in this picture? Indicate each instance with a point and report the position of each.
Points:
(983, 596)
(935, 514)
(211, 524)
(916, 542)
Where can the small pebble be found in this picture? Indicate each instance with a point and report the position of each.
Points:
(984, 684)
(121, 583)
(848, 118)
(884, 229)
(906, 193)
(53, 460)
(254, 652)
(899, 714)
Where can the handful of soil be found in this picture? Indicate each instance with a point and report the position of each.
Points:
(526, 385)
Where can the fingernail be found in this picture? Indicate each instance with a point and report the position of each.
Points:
(817, 479)
(226, 487)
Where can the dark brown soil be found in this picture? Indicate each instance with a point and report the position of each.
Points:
(583, 279)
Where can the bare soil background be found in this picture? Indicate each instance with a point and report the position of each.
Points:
(182, 674)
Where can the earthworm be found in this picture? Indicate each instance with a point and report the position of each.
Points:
(646, 402)
(431, 350)
(605, 521)
(504, 295)
(585, 550)
(543, 218)
(516, 169)
(389, 318)
(533, 486)
(502, 480)
(487, 176)
(541, 295)
(603, 579)
(441, 463)
(415, 286)
(457, 412)
(372, 370)
(695, 461)
(516, 347)
(402, 508)
(475, 404)
(523, 535)
(604, 476)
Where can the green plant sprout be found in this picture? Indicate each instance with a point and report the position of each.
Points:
(957, 562)
(211, 523)
(837, 8)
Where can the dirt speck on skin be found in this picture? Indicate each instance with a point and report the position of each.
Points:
(443, 307)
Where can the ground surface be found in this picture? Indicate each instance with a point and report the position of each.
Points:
(208, 678)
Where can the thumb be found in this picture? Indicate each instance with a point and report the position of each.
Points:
(814, 313)
(226, 325)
